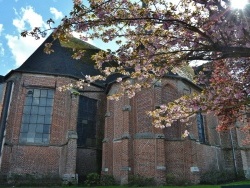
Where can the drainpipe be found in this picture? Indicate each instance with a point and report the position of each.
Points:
(233, 154)
(5, 112)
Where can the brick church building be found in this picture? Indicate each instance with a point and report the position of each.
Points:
(48, 133)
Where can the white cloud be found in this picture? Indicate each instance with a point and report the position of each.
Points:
(21, 48)
(28, 19)
(1, 28)
(1, 50)
(57, 14)
(15, 11)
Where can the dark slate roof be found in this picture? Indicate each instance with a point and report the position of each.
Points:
(60, 62)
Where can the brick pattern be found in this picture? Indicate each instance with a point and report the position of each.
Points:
(107, 153)
(89, 163)
(60, 156)
(170, 93)
(117, 159)
(160, 172)
(130, 145)
(175, 161)
(144, 102)
(118, 119)
(34, 160)
(149, 156)
(144, 157)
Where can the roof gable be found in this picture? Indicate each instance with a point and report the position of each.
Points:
(60, 62)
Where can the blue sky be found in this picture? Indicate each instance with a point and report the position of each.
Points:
(18, 15)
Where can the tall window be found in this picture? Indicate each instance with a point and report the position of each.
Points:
(37, 115)
(86, 122)
(200, 125)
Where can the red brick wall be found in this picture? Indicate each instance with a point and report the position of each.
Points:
(33, 159)
(182, 155)
(60, 156)
(116, 145)
(86, 162)
(144, 101)
(149, 154)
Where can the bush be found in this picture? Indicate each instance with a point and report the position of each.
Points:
(172, 180)
(93, 179)
(33, 180)
(107, 180)
(140, 181)
(214, 176)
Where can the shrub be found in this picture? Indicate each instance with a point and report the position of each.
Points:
(93, 179)
(140, 181)
(172, 180)
(107, 180)
(33, 180)
(214, 176)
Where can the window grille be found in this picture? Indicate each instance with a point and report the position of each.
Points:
(86, 122)
(37, 116)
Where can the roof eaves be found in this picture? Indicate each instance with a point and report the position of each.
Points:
(51, 74)
(184, 80)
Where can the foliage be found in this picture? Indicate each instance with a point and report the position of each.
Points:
(107, 180)
(33, 180)
(140, 181)
(93, 179)
(155, 37)
(172, 180)
(214, 177)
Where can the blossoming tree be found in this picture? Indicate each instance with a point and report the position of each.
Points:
(154, 37)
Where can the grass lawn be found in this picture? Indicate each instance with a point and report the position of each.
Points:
(192, 186)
